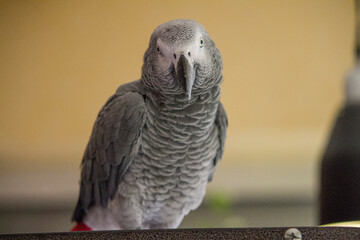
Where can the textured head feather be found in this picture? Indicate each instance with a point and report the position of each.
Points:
(167, 43)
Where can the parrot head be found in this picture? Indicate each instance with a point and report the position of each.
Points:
(181, 59)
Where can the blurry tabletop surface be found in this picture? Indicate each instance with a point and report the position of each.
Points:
(210, 233)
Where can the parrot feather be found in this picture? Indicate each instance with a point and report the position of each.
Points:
(156, 142)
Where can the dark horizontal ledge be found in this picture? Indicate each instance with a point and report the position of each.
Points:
(204, 233)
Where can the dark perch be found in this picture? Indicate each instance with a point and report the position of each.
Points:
(224, 233)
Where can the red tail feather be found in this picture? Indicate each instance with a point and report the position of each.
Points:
(81, 227)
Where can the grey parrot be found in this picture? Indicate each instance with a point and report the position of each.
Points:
(156, 142)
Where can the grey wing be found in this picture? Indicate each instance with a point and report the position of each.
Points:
(113, 145)
(221, 122)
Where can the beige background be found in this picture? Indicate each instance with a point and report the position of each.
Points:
(284, 63)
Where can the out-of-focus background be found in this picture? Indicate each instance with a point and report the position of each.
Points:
(284, 64)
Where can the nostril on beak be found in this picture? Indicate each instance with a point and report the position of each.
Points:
(189, 54)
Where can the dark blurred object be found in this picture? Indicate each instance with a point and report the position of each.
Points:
(209, 233)
(340, 170)
(340, 167)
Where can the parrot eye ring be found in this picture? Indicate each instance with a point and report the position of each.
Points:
(201, 43)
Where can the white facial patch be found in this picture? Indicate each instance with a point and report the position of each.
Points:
(193, 51)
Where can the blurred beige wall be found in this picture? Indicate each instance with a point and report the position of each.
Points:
(284, 63)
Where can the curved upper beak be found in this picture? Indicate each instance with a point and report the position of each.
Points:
(185, 74)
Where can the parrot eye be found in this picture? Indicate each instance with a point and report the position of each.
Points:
(158, 50)
(201, 43)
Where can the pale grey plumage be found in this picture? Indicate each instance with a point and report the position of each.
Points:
(156, 142)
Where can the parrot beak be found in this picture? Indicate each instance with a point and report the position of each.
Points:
(185, 75)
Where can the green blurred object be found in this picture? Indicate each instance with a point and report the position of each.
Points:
(219, 202)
